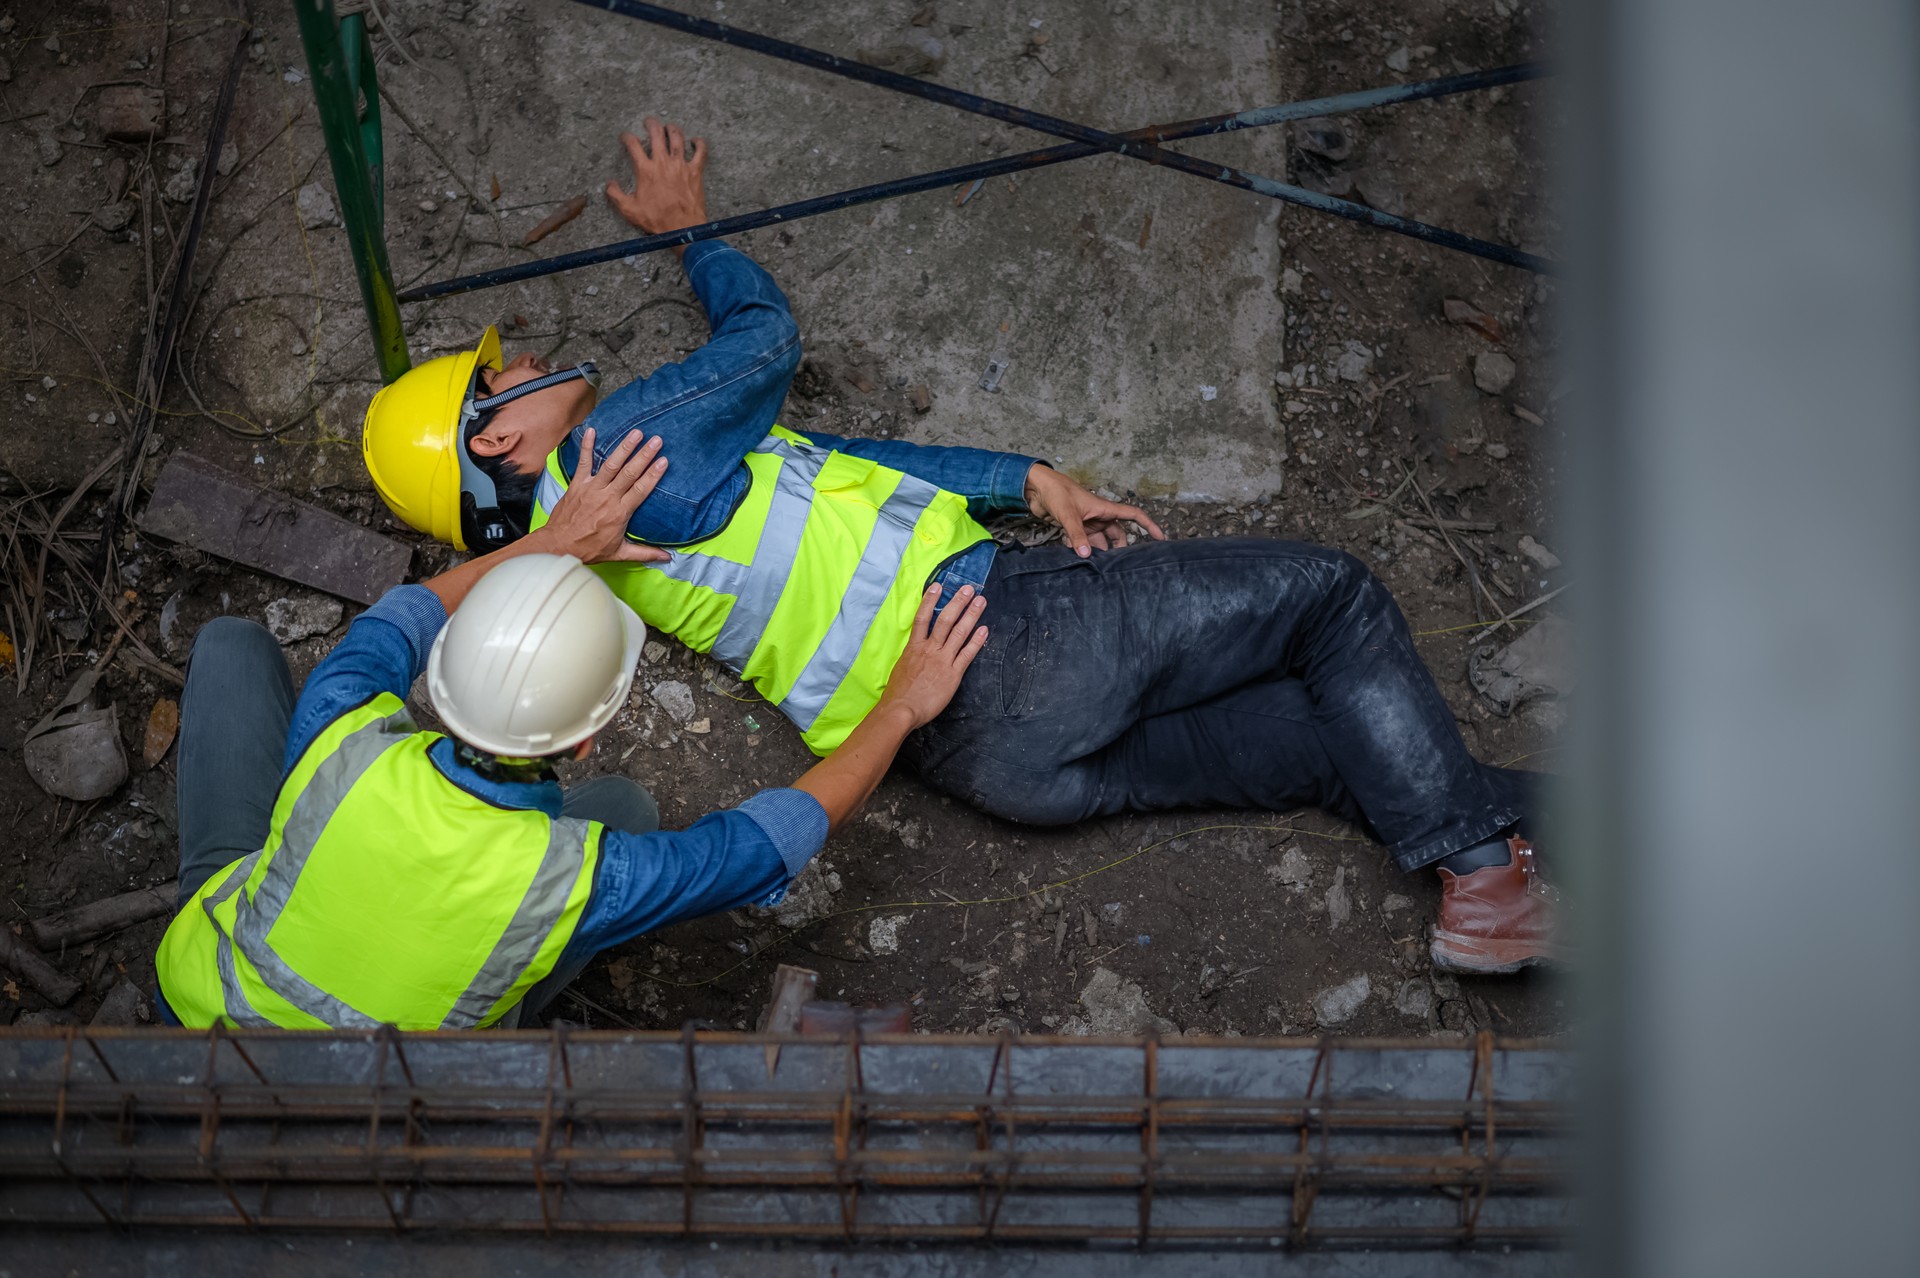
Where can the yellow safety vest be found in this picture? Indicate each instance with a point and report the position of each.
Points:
(385, 894)
(809, 592)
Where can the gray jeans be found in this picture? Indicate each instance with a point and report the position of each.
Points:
(233, 737)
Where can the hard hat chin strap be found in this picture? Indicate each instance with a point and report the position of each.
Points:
(484, 524)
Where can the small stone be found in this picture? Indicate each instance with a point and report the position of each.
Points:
(93, 417)
(51, 44)
(1356, 359)
(47, 383)
(229, 159)
(180, 188)
(291, 620)
(1414, 998)
(1378, 191)
(316, 207)
(123, 1006)
(1294, 870)
(1290, 281)
(883, 936)
(654, 652)
(428, 206)
(299, 347)
(593, 290)
(108, 419)
(1400, 59)
(49, 149)
(115, 216)
(1339, 900)
(1294, 407)
(1327, 138)
(6, 71)
(1283, 379)
(700, 727)
(1493, 372)
(1466, 313)
(1336, 1004)
(1393, 903)
(675, 698)
(130, 113)
(1540, 555)
(1497, 451)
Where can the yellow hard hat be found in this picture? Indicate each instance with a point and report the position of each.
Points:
(411, 441)
(539, 658)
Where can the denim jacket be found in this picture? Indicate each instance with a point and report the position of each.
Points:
(713, 407)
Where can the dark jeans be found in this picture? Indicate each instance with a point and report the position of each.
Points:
(1232, 672)
(233, 737)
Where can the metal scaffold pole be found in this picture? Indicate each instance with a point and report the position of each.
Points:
(347, 92)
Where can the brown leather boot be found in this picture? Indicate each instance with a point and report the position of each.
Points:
(1499, 919)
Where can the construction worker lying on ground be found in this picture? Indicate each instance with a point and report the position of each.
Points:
(340, 867)
(1230, 671)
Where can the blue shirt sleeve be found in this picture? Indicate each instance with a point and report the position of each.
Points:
(384, 650)
(710, 408)
(743, 856)
(993, 483)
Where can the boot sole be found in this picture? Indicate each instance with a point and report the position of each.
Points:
(1473, 956)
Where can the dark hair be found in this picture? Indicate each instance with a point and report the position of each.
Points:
(514, 487)
(499, 767)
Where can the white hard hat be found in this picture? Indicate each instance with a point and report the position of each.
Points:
(538, 658)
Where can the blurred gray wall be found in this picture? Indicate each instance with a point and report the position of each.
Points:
(1748, 283)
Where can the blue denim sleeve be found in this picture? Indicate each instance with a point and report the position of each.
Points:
(712, 407)
(743, 856)
(384, 650)
(992, 483)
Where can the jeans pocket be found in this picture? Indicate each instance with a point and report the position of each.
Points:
(1016, 668)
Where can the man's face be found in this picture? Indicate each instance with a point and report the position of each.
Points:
(529, 428)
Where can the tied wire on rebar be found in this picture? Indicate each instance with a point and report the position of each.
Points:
(1130, 144)
(1301, 1143)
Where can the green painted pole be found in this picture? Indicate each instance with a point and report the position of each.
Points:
(345, 88)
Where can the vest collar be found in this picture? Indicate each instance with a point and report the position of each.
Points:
(537, 796)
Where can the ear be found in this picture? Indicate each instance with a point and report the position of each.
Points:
(493, 442)
(581, 751)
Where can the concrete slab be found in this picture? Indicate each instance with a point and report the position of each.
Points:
(1134, 310)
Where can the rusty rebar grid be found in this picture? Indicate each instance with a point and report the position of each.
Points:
(933, 1137)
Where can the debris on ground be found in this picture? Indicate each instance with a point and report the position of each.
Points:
(124, 1006)
(1337, 1004)
(883, 934)
(96, 919)
(1537, 664)
(163, 724)
(1466, 313)
(75, 752)
(1543, 558)
(555, 220)
(675, 697)
(47, 981)
(1493, 372)
(315, 203)
(200, 505)
(291, 619)
(1115, 1006)
(130, 113)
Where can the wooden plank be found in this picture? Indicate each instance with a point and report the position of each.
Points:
(198, 504)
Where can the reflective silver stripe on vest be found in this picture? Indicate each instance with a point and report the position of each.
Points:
(756, 586)
(312, 809)
(866, 594)
(239, 1010)
(527, 931)
(547, 493)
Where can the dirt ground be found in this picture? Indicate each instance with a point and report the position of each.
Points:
(1346, 373)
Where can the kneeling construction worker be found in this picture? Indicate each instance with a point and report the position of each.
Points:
(340, 867)
(1242, 672)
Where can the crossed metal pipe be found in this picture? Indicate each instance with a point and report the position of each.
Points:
(1140, 144)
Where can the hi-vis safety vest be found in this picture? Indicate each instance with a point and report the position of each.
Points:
(809, 592)
(385, 894)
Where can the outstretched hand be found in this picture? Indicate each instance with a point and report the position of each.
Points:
(938, 652)
(669, 181)
(1087, 522)
(589, 521)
